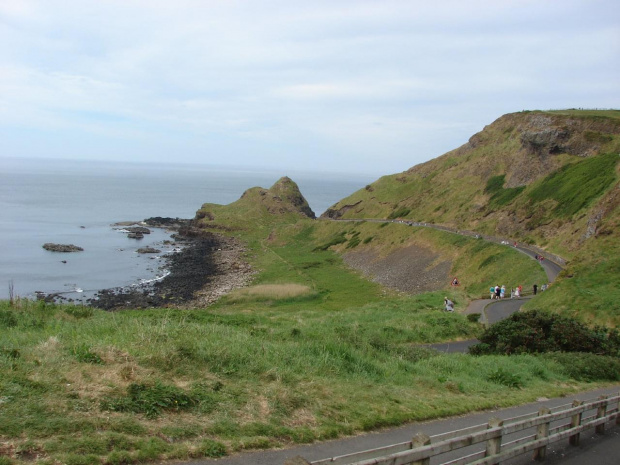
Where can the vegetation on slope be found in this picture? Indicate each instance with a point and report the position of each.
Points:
(546, 178)
(528, 176)
(82, 386)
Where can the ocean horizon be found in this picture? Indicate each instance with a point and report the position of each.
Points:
(78, 202)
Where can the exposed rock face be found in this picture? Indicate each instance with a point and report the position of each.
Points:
(166, 222)
(334, 214)
(148, 250)
(139, 229)
(62, 247)
(285, 190)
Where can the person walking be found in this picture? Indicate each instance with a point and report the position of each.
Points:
(502, 292)
(535, 287)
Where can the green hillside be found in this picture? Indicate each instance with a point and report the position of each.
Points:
(257, 207)
(532, 176)
(550, 179)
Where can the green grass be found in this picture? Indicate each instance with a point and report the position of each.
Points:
(576, 185)
(587, 290)
(234, 377)
(501, 196)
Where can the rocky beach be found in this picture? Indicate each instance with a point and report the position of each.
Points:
(205, 267)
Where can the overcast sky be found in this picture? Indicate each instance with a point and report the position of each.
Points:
(360, 86)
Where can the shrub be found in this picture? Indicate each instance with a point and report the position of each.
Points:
(538, 332)
(473, 317)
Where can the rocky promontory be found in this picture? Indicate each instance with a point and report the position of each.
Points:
(62, 247)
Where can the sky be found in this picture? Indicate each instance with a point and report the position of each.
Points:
(371, 87)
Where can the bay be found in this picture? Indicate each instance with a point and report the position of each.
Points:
(76, 202)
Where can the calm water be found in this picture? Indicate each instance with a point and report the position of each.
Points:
(70, 202)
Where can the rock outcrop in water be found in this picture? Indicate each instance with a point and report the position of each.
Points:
(62, 247)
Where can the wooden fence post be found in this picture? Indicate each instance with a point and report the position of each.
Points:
(494, 445)
(299, 460)
(600, 413)
(575, 421)
(420, 440)
(542, 432)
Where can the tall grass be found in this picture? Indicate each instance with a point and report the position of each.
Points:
(139, 386)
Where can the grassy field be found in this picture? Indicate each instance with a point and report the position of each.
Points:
(311, 351)
(82, 386)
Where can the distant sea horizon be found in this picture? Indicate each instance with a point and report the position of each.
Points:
(77, 202)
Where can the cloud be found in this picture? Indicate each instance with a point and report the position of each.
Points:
(372, 85)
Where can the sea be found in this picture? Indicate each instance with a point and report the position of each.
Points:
(81, 203)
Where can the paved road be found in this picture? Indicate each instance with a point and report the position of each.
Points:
(551, 268)
(499, 310)
(597, 449)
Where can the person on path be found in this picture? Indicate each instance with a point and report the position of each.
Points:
(535, 286)
(502, 292)
(448, 304)
(498, 291)
(517, 293)
(492, 291)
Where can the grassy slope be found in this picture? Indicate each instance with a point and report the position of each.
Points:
(84, 386)
(473, 188)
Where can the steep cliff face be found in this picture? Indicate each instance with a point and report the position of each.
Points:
(536, 176)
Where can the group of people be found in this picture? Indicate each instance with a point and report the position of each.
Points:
(498, 292)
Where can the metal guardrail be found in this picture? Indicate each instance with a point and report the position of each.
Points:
(491, 443)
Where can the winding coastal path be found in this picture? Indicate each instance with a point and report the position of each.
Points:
(491, 311)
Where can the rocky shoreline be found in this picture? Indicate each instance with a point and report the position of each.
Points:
(207, 266)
